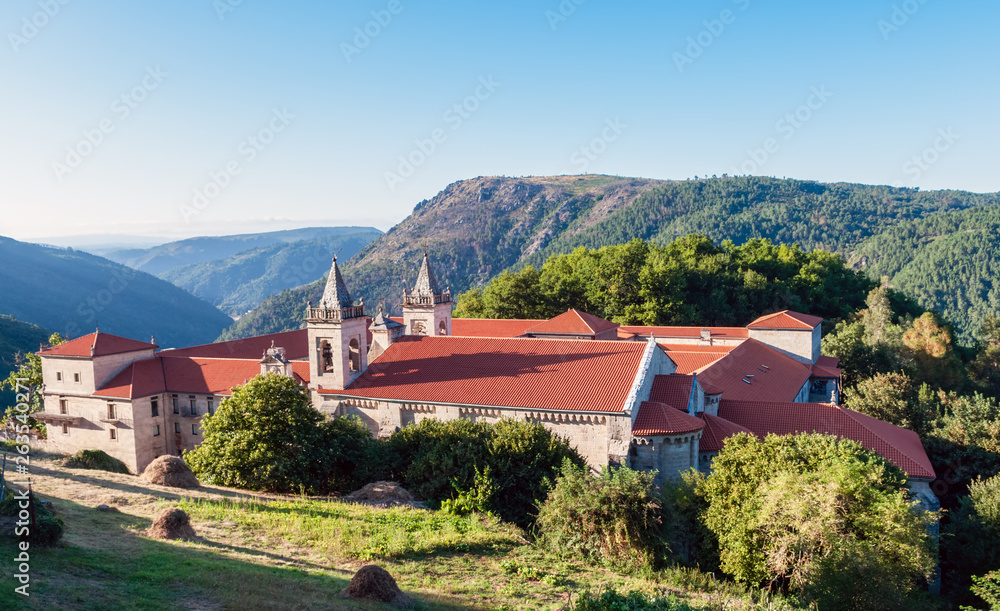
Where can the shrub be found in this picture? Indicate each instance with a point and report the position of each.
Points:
(346, 443)
(506, 468)
(48, 527)
(524, 459)
(799, 510)
(611, 518)
(95, 459)
(689, 542)
(610, 600)
(987, 587)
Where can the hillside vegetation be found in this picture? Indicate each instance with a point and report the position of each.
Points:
(16, 337)
(474, 229)
(70, 292)
(165, 257)
(239, 282)
(948, 262)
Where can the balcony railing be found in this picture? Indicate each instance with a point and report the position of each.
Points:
(425, 300)
(335, 314)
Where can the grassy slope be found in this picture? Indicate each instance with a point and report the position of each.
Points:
(476, 228)
(266, 552)
(241, 281)
(70, 292)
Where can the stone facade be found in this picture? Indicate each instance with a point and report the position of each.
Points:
(803, 345)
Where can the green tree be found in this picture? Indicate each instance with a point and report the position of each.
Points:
(265, 437)
(28, 375)
(894, 398)
(798, 510)
(985, 368)
(971, 538)
(987, 588)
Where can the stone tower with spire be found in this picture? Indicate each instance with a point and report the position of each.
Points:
(427, 309)
(338, 336)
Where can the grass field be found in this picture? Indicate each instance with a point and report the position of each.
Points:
(282, 552)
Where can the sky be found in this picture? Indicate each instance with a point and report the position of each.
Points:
(175, 118)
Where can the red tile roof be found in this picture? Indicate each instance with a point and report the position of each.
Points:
(210, 376)
(716, 431)
(576, 375)
(102, 344)
(295, 343)
(673, 389)
(775, 377)
(691, 361)
(899, 446)
(661, 419)
(786, 319)
(488, 327)
(668, 332)
(573, 322)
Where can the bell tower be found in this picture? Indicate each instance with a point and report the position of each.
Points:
(427, 309)
(338, 338)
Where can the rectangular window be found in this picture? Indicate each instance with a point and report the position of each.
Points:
(58, 376)
(76, 377)
(156, 430)
(63, 406)
(211, 405)
(194, 406)
(177, 427)
(111, 412)
(194, 429)
(154, 407)
(114, 433)
(65, 428)
(177, 405)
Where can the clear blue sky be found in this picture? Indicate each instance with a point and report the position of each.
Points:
(198, 85)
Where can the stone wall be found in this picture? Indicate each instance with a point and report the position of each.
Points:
(803, 345)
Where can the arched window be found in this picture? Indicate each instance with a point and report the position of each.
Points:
(355, 357)
(327, 356)
(442, 329)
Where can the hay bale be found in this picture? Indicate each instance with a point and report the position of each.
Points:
(96, 459)
(381, 492)
(372, 582)
(171, 523)
(169, 471)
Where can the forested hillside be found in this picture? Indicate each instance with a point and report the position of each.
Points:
(165, 257)
(948, 262)
(690, 281)
(16, 337)
(475, 229)
(239, 282)
(71, 292)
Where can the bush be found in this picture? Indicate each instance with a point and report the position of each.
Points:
(48, 527)
(802, 511)
(987, 587)
(506, 468)
(347, 444)
(689, 542)
(611, 518)
(611, 600)
(95, 459)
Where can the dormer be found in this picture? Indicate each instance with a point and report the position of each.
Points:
(274, 361)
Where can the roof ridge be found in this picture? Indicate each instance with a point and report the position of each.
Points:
(852, 415)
